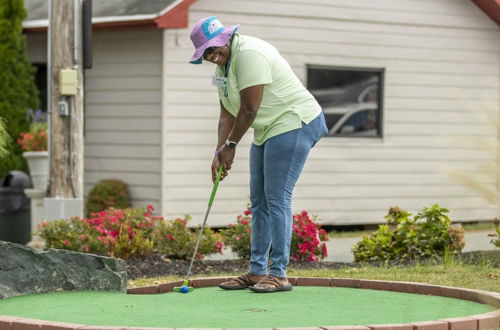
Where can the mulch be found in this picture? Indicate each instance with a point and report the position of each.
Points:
(159, 265)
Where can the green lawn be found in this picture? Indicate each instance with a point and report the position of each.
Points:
(481, 276)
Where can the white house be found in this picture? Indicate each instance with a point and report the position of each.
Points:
(422, 75)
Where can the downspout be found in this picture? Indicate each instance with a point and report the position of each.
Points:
(49, 98)
(163, 167)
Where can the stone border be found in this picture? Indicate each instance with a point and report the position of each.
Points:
(485, 321)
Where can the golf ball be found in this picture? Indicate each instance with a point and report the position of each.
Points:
(184, 289)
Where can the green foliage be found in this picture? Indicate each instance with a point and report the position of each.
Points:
(18, 91)
(73, 234)
(4, 140)
(106, 194)
(308, 239)
(128, 233)
(427, 234)
(175, 240)
(238, 236)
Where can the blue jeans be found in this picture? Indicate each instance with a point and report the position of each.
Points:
(275, 167)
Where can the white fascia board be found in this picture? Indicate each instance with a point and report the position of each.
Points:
(44, 22)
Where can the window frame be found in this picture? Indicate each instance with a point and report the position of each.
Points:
(380, 94)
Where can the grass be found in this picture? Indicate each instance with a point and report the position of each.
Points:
(481, 276)
(479, 226)
(468, 227)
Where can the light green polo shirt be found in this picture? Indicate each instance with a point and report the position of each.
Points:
(286, 103)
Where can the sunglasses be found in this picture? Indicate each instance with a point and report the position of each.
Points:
(208, 51)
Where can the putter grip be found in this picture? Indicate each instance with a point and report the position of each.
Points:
(216, 184)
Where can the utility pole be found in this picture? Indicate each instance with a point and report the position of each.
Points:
(65, 190)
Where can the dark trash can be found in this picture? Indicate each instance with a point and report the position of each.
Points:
(15, 213)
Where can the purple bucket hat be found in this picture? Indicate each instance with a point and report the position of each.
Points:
(209, 32)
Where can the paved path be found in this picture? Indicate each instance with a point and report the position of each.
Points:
(339, 249)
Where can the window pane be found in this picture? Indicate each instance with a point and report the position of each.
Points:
(350, 99)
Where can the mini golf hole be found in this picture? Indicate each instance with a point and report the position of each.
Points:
(255, 310)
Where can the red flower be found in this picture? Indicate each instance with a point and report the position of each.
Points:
(66, 242)
(324, 250)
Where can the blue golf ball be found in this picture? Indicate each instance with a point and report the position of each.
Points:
(184, 289)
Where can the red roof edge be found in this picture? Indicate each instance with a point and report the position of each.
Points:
(491, 8)
(177, 17)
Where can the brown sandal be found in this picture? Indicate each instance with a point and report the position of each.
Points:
(241, 282)
(272, 284)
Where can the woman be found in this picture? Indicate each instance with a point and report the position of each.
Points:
(258, 89)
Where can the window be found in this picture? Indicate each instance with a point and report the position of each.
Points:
(41, 83)
(351, 99)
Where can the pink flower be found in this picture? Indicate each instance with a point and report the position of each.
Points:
(169, 237)
(150, 208)
(113, 233)
(312, 257)
(245, 222)
(66, 242)
(219, 246)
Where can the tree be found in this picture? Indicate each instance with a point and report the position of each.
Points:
(4, 140)
(18, 91)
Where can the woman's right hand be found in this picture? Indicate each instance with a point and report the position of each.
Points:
(215, 167)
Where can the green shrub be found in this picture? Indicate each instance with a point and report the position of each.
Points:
(18, 91)
(128, 233)
(175, 240)
(108, 193)
(119, 233)
(238, 236)
(427, 234)
(74, 234)
(308, 239)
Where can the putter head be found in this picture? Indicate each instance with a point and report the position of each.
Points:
(184, 288)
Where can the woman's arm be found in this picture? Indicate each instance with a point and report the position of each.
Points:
(250, 102)
(226, 123)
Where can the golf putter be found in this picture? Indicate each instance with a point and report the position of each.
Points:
(185, 288)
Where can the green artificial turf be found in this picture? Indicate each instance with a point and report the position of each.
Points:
(213, 307)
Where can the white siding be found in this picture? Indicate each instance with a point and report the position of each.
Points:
(441, 61)
(123, 112)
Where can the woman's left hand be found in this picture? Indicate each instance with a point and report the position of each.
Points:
(226, 156)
